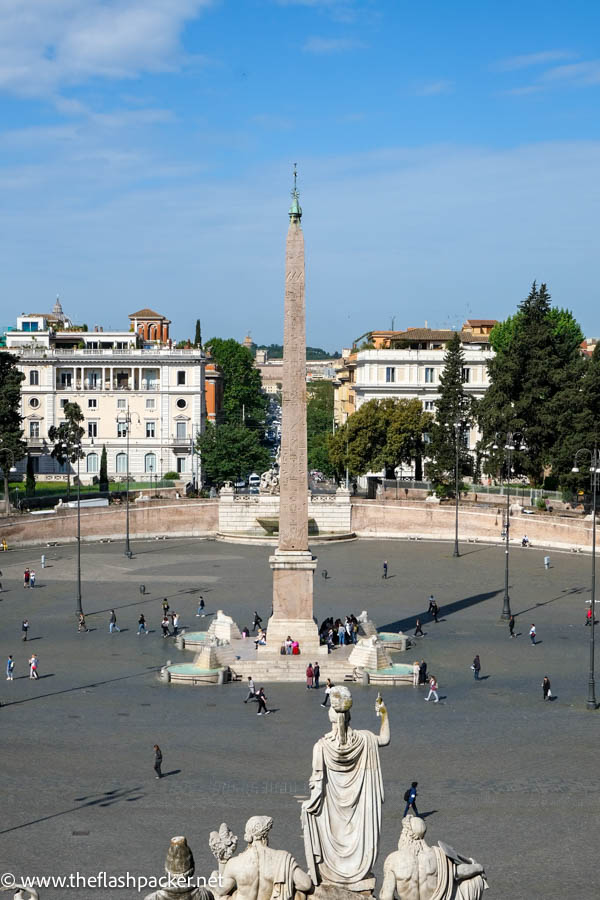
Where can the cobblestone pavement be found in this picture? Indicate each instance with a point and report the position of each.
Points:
(503, 776)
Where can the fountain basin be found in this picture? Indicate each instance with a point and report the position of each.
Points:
(397, 673)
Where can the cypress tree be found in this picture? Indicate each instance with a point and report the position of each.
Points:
(103, 480)
(29, 478)
(198, 336)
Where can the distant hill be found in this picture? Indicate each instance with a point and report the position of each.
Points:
(275, 351)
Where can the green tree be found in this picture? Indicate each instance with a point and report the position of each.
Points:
(12, 445)
(103, 479)
(562, 321)
(231, 450)
(319, 419)
(198, 336)
(535, 381)
(381, 434)
(453, 408)
(29, 478)
(67, 438)
(243, 400)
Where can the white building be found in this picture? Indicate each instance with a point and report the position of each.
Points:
(115, 377)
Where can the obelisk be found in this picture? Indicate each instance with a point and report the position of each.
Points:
(293, 564)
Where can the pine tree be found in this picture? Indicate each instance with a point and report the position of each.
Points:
(198, 337)
(12, 445)
(103, 480)
(30, 478)
(453, 414)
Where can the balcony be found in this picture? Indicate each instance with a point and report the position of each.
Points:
(181, 443)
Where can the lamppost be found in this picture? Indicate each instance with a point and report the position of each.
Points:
(79, 607)
(594, 469)
(457, 427)
(509, 447)
(126, 420)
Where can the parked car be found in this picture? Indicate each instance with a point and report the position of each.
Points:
(254, 480)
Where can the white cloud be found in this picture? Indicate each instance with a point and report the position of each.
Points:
(47, 44)
(435, 87)
(533, 59)
(577, 73)
(322, 45)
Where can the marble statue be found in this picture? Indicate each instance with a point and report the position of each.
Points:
(261, 873)
(269, 482)
(179, 868)
(341, 820)
(223, 844)
(416, 871)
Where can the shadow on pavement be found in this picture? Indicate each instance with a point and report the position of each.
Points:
(81, 687)
(410, 621)
(105, 799)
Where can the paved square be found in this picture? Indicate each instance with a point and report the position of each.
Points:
(503, 776)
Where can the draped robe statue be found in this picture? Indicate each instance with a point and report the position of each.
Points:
(341, 820)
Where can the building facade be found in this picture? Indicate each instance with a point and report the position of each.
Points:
(146, 404)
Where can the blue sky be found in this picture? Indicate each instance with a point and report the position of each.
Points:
(448, 155)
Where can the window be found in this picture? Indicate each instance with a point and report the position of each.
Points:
(66, 379)
(181, 429)
(121, 404)
(429, 405)
(181, 378)
(34, 429)
(63, 403)
(93, 379)
(466, 376)
(121, 429)
(149, 402)
(121, 462)
(150, 429)
(92, 403)
(92, 429)
(181, 463)
(181, 404)
(429, 376)
(91, 462)
(34, 378)
(390, 374)
(150, 462)
(34, 402)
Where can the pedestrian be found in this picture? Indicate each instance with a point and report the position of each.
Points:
(0, 581)
(476, 667)
(511, 626)
(434, 611)
(165, 606)
(288, 645)
(316, 674)
(175, 624)
(251, 690)
(310, 677)
(33, 666)
(157, 761)
(262, 704)
(385, 569)
(532, 633)
(26, 575)
(112, 622)
(328, 688)
(418, 629)
(32, 579)
(10, 668)
(200, 611)
(141, 625)
(341, 635)
(410, 796)
(25, 628)
(165, 626)
(431, 605)
(416, 669)
(423, 672)
(81, 626)
(546, 562)
(546, 688)
(433, 689)
(588, 617)
(257, 622)
(524, 541)
(43, 560)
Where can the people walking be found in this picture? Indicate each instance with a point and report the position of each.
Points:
(431, 605)
(418, 629)
(416, 669)
(112, 622)
(532, 633)
(165, 606)
(165, 626)
(310, 677)
(423, 672)
(251, 690)
(26, 576)
(81, 626)
(317, 675)
(32, 579)
(434, 612)
(547, 691)
(141, 625)
(33, 666)
(257, 621)
(10, 668)
(433, 689)
(476, 666)
(262, 703)
(43, 560)
(200, 611)
(158, 761)
(175, 624)
(328, 688)
(385, 569)
(341, 635)
(410, 796)
(511, 626)
(588, 617)
(25, 628)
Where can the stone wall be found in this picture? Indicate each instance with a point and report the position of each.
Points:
(240, 513)
(158, 518)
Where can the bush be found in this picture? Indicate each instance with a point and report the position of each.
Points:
(540, 503)
(171, 476)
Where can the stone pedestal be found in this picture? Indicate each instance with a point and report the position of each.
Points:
(293, 572)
